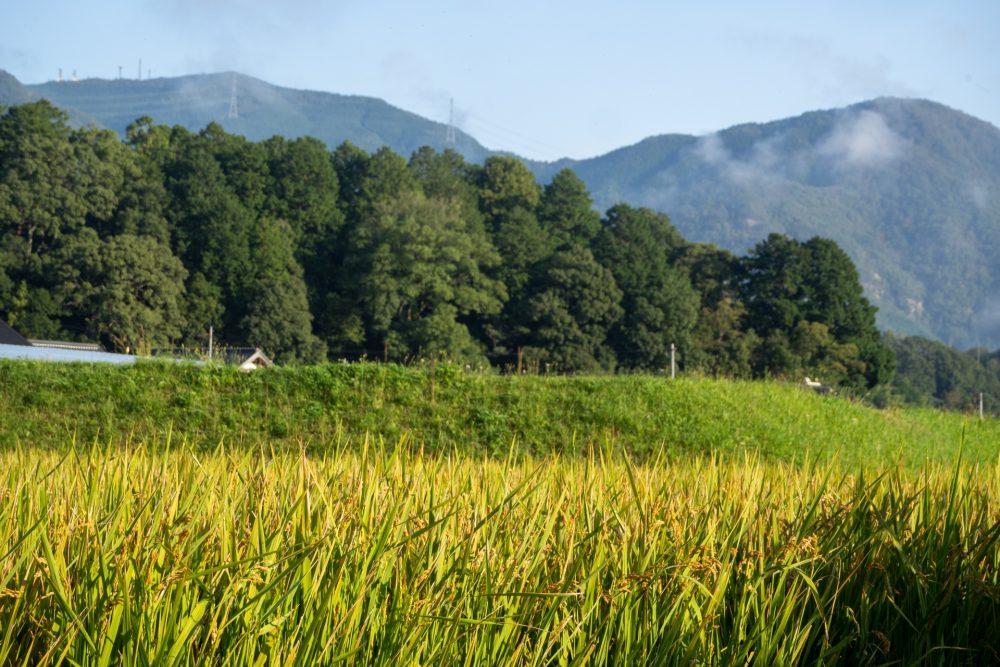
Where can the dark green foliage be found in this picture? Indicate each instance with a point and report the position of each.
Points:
(302, 190)
(567, 314)
(918, 217)
(804, 300)
(153, 241)
(277, 311)
(567, 211)
(417, 269)
(42, 194)
(660, 306)
(127, 291)
(931, 373)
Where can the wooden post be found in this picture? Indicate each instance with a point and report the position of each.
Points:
(433, 376)
(673, 365)
(520, 359)
(211, 331)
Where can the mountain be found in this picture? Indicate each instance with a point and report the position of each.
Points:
(12, 91)
(909, 188)
(258, 110)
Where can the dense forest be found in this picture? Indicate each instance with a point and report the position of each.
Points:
(313, 255)
(919, 216)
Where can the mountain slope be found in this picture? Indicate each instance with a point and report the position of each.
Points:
(909, 188)
(12, 91)
(255, 109)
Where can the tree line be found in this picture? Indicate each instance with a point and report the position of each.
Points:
(312, 254)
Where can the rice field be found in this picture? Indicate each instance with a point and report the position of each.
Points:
(134, 555)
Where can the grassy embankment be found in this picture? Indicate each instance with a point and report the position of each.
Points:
(336, 406)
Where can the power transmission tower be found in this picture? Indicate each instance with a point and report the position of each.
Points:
(450, 136)
(234, 107)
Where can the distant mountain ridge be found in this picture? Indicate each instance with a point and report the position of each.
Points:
(258, 110)
(909, 188)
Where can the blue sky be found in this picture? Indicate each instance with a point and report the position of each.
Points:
(543, 79)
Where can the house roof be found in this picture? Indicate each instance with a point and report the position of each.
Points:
(10, 337)
(66, 345)
(57, 354)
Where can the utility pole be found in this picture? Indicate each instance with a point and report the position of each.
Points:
(210, 332)
(980, 405)
(450, 136)
(234, 106)
(673, 365)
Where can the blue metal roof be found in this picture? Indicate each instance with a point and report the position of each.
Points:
(56, 354)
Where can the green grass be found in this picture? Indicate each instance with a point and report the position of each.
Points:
(47, 405)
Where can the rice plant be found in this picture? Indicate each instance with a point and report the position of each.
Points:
(130, 556)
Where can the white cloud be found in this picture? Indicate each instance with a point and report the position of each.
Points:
(862, 140)
(761, 167)
(980, 195)
(711, 149)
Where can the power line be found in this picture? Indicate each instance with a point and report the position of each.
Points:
(505, 135)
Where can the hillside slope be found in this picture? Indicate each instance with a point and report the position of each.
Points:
(258, 110)
(12, 91)
(909, 188)
(340, 405)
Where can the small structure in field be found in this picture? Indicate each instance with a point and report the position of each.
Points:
(817, 386)
(244, 358)
(256, 360)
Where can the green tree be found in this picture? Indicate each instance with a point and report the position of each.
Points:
(660, 306)
(277, 318)
(211, 228)
(445, 176)
(421, 271)
(784, 283)
(565, 320)
(129, 290)
(566, 210)
(720, 343)
(41, 188)
(508, 199)
(302, 190)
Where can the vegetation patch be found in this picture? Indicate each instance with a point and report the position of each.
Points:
(444, 409)
(124, 556)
